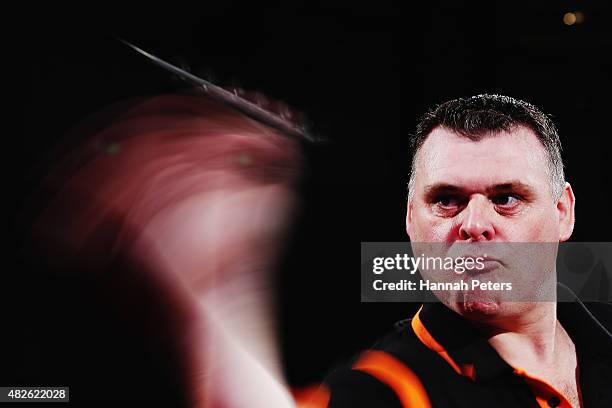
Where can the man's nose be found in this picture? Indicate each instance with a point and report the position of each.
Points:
(476, 224)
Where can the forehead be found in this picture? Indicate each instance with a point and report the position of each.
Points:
(446, 157)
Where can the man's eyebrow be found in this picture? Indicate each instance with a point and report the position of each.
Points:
(441, 188)
(515, 185)
(446, 188)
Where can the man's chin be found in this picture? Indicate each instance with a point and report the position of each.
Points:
(478, 303)
(476, 308)
(479, 308)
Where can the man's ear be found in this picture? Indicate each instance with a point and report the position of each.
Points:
(408, 215)
(565, 211)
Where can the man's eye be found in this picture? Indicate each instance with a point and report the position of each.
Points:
(506, 200)
(448, 201)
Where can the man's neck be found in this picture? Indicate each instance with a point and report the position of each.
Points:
(534, 335)
(533, 341)
(537, 343)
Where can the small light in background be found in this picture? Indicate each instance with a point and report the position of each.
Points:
(569, 18)
(572, 18)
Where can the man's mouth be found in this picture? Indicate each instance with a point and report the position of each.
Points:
(488, 265)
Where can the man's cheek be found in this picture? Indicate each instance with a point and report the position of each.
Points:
(538, 228)
(428, 228)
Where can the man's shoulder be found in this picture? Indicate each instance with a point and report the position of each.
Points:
(363, 380)
(401, 343)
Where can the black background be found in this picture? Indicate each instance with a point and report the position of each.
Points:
(362, 74)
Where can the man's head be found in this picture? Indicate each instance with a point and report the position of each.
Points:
(486, 147)
(488, 169)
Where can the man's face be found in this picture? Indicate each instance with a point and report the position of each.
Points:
(495, 190)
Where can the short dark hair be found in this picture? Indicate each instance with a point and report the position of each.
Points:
(476, 116)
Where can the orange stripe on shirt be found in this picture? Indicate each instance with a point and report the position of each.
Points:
(316, 396)
(427, 339)
(392, 372)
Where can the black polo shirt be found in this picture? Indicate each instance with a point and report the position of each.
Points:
(438, 359)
